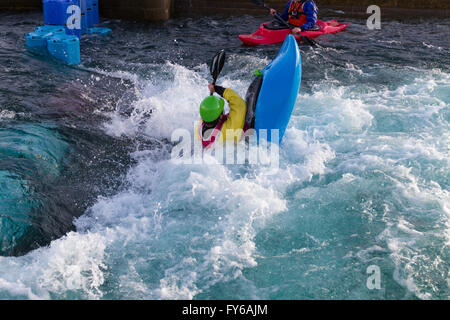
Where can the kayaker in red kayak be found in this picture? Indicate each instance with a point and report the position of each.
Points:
(301, 14)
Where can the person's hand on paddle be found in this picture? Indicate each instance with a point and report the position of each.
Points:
(211, 88)
(296, 30)
(273, 12)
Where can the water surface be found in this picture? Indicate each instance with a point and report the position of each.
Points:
(103, 213)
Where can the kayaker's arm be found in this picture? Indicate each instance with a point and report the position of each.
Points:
(220, 90)
(311, 15)
(285, 14)
(236, 117)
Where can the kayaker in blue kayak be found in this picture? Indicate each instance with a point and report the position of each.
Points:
(301, 14)
(217, 126)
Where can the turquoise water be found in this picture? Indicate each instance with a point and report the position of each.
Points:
(363, 178)
(31, 156)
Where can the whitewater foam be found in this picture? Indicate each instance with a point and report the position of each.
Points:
(178, 231)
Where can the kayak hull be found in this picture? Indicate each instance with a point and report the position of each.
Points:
(278, 92)
(267, 36)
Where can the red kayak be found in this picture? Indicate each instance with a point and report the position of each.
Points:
(271, 32)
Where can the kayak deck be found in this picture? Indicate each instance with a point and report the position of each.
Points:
(268, 36)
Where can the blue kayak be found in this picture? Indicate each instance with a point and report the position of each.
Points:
(278, 87)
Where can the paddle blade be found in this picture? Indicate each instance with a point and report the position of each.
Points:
(217, 64)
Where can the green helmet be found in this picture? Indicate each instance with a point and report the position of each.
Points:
(211, 108)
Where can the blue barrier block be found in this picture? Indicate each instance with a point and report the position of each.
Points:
(59, 30)
(55, 11)
(84, 17)
(38, 39)
(52, 29)
(99, 30)
(74, 32)
(89, 17)
(89, 13)
(71, 26)
(84, 23)
(65, 48)
(96, 18)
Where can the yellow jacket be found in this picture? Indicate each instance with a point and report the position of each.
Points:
(235, 120)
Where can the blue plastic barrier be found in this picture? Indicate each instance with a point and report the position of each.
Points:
(84, 17)
(95, 14)
(65, 48)
(37, 40)
(89, 13)
(70, 25)
(52, 29)
(62, 31)
(59, 30)
(55, 11)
